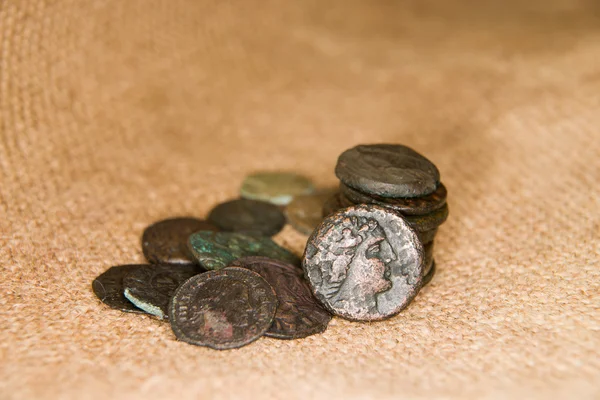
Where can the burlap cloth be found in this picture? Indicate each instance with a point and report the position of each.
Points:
(117, 113)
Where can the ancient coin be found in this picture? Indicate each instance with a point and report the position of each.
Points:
(430, 273)
(332, 205)
(216, 250)
(299, 314)
(387, 170)
(151, 287)
(223, 309)
(406, 206)
(248, 216)
(305, 212)
(426, 236)
(108, 287)
(364, 263)
(165, 242)
(275, 187)
(424, 223)
(427, 256)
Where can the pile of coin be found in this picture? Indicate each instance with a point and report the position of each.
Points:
(222, 282)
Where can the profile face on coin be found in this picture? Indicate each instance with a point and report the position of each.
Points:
(108, 287)
(305, 212)
(299, 314)
(364, 263)
(216, 250)
(387, 170)
(275, 187)
(165, 242)
(151, 287)
(248, 216)
(223, 309)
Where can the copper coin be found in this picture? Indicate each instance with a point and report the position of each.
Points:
(305, 212)
(299, 314)
(430, 273)
(248, 216)
(364, 263)
(223, 309)
(165, 242)
(108, 287)
(428, 222)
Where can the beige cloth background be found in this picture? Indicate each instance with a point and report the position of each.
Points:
(114, 114)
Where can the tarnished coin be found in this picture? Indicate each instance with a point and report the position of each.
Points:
(430, 273)
(216, 250)
(426, 236)
(424, 223)
(151, 288)
(406, 206)
(364, 263)
(165, 242)
(109, 288)
(299, 314)
(427, 256)
(275, 187)
(248, 216)
(387, 170)
(223, 309)
(305, 212)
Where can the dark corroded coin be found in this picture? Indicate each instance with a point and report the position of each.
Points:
(275, 187)
(332, 205)
(165, 242)
(424, 223)
(150, 288)
(427, 256)
(223, 309)
(407, 206)
(109, 287)
(216, 250)
(430, 273)
(248, 216)
(299, 314)
(364, 263)
(426, 236)
(305, 212)
(387, 170)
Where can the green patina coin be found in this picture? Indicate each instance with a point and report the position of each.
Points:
(275, 187)
(216, 250)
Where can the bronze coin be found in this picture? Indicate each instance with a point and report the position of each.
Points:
(364, 263)
(406, 206)
(108, 287)
(165, 242)
(305, 212)
(427, 256)
(275, 187)
(426, 236)
(430, 273)
(387, 170)
(248, 216)
(299, 314)
(223, 309)
(428, 222)
(151, 287)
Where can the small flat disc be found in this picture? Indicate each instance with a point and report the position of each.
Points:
(216, 250)
(299, 314)
(305, 212)
(248, 216)
(223, 309)
(108, 287)
(428, 222)
(387, 170)
(275, 187)
(151, 288)
(165, 242)
(430, 273)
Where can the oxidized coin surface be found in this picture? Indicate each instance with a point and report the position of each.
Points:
(248, 216)
(151, 288)
(216, 250)
(108, 287)
(387, 170)
(426, 236)
(223, 309)
(424, 223)
(407, 206)
(364, 263)
(305, 212)
(299, 314)
(275, 187)
(165, 242)
(430, 273)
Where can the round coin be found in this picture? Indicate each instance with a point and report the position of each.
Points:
(407, 206)
(108, 287)
(275, 187)
(216, 250)
(165, 242)
(248, 216)
(387, 170)
(430, 273)
(299, 314)
(151, 287)
(424, 223)
(305, 212)
(364, 263)
(223, 309)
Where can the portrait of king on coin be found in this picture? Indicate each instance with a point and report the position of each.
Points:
(364, 263)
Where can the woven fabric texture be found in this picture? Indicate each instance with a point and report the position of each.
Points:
(117, 113)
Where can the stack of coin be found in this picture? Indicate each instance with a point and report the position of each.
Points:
(398, 178)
